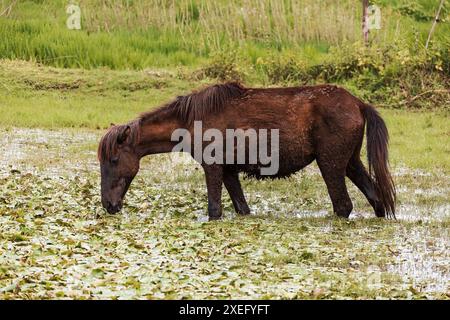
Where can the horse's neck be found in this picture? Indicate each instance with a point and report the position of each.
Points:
(156, 133)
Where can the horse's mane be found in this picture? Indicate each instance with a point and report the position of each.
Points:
(110, 141)
(189, 108)
(199, 104)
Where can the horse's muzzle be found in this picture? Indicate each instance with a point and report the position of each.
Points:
(113, 208)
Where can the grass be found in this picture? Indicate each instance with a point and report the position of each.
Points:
(133, 35)
(34, 96)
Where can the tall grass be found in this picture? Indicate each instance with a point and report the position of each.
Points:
(32, 40)
(268, 21)
(140, 33)
(263, 20)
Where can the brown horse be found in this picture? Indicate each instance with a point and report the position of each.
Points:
(323, 123)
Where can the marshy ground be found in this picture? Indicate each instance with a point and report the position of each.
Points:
(60, 88)
(57, 242)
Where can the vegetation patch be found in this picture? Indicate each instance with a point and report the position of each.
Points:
(57, 242)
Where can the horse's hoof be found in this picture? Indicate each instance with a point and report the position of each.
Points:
(213, 218)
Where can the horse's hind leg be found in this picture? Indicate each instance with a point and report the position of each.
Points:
(334, 175)
(359, 176)
(231, 181)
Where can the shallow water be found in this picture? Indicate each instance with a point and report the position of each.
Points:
(56, 153)
(423, 261)
(420, 255)
(46, 151)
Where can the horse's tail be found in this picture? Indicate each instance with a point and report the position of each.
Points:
(377, 156)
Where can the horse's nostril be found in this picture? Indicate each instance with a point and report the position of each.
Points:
(109, 206)
(113, 207)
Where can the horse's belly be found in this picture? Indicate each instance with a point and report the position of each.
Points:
(291, 164)
(284, 166)
(292, 153)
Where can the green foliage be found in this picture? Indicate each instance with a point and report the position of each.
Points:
(282, 69)
(225, 44)
(414, 9)
(188, 13)
(32, 40)
(223, 66)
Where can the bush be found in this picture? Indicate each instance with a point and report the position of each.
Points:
(395, 76)
(283, 69)
(415, 10)
(222, 66)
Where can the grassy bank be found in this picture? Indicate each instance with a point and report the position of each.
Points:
(37, 96)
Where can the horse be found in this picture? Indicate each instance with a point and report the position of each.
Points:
(325, 123)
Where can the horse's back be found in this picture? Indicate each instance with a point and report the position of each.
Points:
(296, 111)
(307, 118)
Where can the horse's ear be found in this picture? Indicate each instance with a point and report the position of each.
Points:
(124, 134)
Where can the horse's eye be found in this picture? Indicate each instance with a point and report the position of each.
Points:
(115, 160)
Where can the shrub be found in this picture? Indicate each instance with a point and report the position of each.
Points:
(223, 66)
(283, 69)
(395, 76)
(414, 10)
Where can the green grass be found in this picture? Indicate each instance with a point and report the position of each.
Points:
(36, 96)
(418, 139)
(263, 42)
(133, 35)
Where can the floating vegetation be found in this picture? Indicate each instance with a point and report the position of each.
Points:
(57, 242)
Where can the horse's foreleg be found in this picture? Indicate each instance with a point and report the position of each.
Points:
(214, 179)
(231, 181)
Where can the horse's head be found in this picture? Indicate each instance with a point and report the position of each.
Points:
(119, 164)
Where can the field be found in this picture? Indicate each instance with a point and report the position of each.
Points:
(56, 100)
